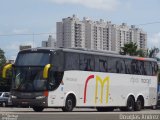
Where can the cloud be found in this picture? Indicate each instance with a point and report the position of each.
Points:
(20, 31)
(108, 5)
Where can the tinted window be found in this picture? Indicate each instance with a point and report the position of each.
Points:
(35, 59)
(128, 66)
(148, 68)
(154, 68)
(58, 61)
(86, 62)
(140, 68)
(103, 64)
(134, 69)
(112, 65)
(120, 65)
(71, 61)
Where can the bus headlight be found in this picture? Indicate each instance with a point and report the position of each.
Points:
(14, 97)
(40, 97)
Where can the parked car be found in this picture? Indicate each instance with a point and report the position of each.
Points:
(5, 99)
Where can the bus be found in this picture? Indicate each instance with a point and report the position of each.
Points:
(69, 78)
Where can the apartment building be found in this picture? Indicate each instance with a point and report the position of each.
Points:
(71, 33)
(51, 42)
(98, 35)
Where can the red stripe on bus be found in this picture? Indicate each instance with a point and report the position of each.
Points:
(86, 83)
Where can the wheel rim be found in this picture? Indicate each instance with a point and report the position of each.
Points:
(130, 105)
(69, 104)
(139, 105)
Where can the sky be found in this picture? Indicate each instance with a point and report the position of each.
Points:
(23, 21)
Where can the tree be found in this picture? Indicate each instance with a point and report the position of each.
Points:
(2, 58)
(153, 52)
(129, 49)
(4, 85)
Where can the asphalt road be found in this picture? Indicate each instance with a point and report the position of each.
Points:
(77, 114)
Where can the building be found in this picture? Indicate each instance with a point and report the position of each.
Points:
(71, 33)
(98, 35)
(23, 47)
(51, 42)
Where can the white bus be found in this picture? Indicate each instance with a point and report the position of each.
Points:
(69, 78)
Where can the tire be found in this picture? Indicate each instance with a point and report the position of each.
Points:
(3, 104)
(104, 109)
(69, 104)
(38, 109)
(130, 105)
(138, 105)
(154, 107)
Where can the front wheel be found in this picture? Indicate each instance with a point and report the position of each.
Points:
(4, 104)
(38, 109)
(69, 105)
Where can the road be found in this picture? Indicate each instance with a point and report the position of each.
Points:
(77, 114)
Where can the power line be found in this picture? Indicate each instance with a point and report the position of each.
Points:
(32, 34)
(26, 34)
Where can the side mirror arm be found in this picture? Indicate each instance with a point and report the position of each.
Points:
(46, 70)
(4, 71)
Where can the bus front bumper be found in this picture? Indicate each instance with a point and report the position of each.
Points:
(30, 102)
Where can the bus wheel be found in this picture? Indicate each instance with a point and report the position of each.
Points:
(130, 104)
(69, 105)
(38, 109)
(104, 109)
(138, 105)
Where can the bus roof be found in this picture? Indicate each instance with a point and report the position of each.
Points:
(88, 51)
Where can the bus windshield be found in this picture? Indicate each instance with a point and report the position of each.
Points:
(29, 79)
(32, 59)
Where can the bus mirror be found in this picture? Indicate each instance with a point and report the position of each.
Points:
(5, 68)
(45, 71)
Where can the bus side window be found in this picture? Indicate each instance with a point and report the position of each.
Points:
(103, 64)
(112, 65)
(128, 66)
(58, 60)
(134, 67)
(86, 62)
(141, 67)
(71, 61)
(120, 65)
(148, 68)
(154, 68)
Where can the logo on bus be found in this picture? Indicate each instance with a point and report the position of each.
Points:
(102, 82)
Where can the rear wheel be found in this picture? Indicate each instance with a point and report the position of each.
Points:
(138, 105)
(69, 105)
(130, 104)
(38, 109)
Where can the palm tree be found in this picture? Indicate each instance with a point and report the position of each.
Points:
(129, 49)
